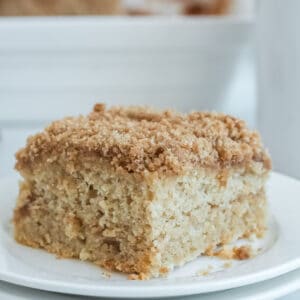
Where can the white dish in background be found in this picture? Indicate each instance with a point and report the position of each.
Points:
(38, 269)
(183, 63)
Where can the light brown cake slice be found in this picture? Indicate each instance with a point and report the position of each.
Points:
(139, 191)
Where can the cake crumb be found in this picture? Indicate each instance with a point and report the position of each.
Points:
(106, 274)
(239, 253)
(227, 264)
(141, 276)
(205, 272)
(243, 252)
(163, 270)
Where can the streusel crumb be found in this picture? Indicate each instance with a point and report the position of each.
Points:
(139, 140)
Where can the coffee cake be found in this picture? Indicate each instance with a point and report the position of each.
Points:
(140, 191)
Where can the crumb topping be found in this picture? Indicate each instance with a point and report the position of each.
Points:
(141, 276)
(139, 140)
(205, 272)
(239, 253)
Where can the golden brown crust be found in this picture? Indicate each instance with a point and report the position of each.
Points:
(140, 140)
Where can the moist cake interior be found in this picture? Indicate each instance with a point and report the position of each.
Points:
(141, 200)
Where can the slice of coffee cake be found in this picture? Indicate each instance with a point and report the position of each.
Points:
(140, 191)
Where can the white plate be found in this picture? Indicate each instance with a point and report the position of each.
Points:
(38, 269)
(267, 290)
